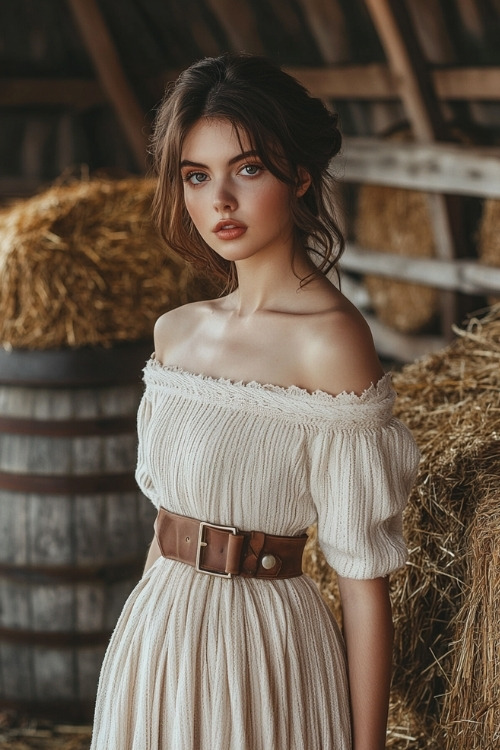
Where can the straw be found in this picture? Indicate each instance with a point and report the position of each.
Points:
(82, 264)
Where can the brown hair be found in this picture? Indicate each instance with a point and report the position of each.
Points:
(287, 127)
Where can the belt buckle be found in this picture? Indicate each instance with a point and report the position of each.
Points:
(202, 543)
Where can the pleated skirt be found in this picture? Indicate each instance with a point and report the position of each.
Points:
(202, 662)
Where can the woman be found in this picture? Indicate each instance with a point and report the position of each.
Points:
(265, 410)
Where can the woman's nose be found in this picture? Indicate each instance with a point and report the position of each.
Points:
(224, 199)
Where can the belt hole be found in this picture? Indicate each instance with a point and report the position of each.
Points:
(188, 539)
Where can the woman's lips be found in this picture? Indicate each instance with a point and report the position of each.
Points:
(229, 230)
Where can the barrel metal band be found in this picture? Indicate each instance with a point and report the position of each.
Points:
(68, 427)
(54, 639)
(73, 484)
(124, 569)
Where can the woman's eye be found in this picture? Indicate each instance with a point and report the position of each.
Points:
(195, 178)
(251, 169)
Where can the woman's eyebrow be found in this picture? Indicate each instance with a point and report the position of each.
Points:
(239, 157)
(243, 155)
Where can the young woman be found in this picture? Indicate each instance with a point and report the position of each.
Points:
(265, 411)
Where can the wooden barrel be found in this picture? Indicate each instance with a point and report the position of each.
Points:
(74, 528)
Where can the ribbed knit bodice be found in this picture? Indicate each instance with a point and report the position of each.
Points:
(278, 459)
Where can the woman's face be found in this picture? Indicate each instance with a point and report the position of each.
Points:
(238, 206)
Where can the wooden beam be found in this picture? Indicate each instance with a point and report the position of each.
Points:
(476, 84)
(437, 167)
(411, 75)
(399, 346)
(102, 51)
(78, 93)
(471, 18)
(433, 31)
(415, 87)
(238, 21)
(376, 81)
(370, 82)
(327, 22)
(467, 276)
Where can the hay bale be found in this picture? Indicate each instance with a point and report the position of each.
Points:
(446, 605)
(447, 669)
(489, 237)
(83, 265)
(395, 220)
(407, 731)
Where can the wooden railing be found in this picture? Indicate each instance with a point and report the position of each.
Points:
(432, 168)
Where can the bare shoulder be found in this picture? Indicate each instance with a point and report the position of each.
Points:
(177, 325)
(340, 353)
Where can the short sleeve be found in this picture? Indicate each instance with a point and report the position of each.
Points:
(142, 472)
(361, 478)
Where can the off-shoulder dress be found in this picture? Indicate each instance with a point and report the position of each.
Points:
(244, 664)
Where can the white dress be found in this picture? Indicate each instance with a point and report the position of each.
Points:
(202, 662)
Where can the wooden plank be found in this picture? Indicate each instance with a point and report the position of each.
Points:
(37, 133)
(373, 81)
(411, 76)
(439, 167)
(465, 276)
(399, 346)
(238, 21)
(102, 51)
(79, 93)
(471, 18)
(433, 32)
(282, 26)
(468, 83)
(328, 26)
(415, 87)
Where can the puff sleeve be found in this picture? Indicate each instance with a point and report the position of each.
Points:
(362, 470)
(142, 472)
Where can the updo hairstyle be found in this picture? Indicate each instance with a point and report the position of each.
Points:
(285, 125)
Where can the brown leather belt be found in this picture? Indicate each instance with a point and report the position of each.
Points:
(225, 551)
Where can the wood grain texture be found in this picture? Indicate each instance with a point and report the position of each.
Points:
(416, 91)
(102, 50)
(436, 167)
(67, 560)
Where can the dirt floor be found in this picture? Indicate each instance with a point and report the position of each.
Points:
(20, 733)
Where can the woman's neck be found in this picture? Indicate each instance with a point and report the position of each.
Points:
(270, 285)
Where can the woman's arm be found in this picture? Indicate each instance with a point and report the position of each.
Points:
(153, 555)
(368, 633)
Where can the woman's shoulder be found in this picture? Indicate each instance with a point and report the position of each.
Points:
(185, 313)
(339, 352)
(177, 324)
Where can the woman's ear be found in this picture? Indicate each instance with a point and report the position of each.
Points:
(303, 182)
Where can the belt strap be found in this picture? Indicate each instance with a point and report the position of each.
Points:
(225, 551)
